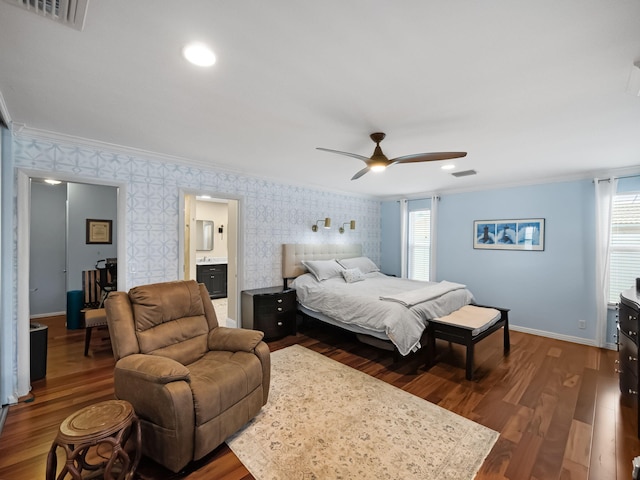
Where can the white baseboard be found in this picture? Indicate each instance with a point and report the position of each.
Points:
(43, 315)
(558, 336)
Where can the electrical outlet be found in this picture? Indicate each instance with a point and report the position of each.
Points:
(582, 324)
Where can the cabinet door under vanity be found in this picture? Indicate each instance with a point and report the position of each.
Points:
(214, 277)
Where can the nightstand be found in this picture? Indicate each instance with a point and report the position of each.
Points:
(271, 310)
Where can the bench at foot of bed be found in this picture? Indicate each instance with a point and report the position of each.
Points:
(467, 326)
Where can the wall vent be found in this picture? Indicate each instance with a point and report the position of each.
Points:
(68, 12)
(464, 173)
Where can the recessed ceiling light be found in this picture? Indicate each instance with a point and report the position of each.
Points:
(449, 166)
(52, 182)
(199, 54)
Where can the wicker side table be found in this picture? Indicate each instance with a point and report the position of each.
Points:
(94, 438)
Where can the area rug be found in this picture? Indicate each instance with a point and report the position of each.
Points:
(325, 420)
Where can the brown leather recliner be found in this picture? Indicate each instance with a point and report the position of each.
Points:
(191, 382)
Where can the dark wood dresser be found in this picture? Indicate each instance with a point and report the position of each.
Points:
(271, 310)
(628, 345)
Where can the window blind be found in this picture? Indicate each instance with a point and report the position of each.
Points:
(625, 244)
(419, 239)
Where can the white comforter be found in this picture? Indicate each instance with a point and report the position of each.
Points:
(359, 304)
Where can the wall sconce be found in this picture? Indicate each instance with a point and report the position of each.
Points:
(352, 226)
(327, 224)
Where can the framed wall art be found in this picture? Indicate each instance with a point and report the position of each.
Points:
(518, 234)
(99, 231)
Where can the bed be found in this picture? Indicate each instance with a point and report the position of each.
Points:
(372, 305)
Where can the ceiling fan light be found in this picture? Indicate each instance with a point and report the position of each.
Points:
(378, 168)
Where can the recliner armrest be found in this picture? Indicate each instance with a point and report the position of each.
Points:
(234, 339)
(153, 369)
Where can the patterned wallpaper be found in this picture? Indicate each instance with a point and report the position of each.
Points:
(272, 213)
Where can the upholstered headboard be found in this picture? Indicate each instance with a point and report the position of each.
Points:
(294, 253)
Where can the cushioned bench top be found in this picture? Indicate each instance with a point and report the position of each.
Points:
(470, 317)
(95, 317)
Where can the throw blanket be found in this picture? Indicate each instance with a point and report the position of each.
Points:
(414, 297)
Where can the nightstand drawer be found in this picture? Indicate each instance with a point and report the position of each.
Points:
(628, 355)
(275, 303)
(628, 319)
(275, 326)
(628, 383)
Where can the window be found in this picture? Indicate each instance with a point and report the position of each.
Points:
(625, 244)
(419, 240)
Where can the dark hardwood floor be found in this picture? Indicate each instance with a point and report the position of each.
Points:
(556, 404)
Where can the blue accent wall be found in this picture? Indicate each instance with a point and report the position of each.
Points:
(547, 291)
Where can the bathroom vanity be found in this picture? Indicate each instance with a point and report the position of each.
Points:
(214, 277)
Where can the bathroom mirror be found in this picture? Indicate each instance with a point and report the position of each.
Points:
(204, 234)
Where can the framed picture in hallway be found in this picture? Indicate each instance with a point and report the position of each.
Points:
(99, 231)
(517, 234)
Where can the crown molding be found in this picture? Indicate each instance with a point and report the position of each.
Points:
(23, 131)
(587, 175)
(26, 131)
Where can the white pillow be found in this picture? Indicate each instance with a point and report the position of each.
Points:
(323, 269)
(353, 275)
(365, 264)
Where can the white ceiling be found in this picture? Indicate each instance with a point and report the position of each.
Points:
(532, 90)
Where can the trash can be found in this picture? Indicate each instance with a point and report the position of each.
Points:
(39, 340)
(74, 309)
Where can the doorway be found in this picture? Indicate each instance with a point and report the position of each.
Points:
(23, 236)
(59, 215)
(204, 261)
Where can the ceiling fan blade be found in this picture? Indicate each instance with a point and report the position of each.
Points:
(354, 155)
(428, 157)
(360, 173)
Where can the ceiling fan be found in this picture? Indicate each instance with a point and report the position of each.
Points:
(379, 161)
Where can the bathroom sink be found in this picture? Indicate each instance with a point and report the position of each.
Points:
(211, 260)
